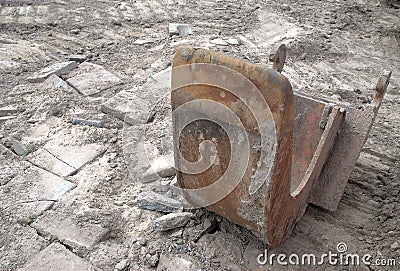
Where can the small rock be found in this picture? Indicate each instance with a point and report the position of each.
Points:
(233, 41)
(156, 64)
(178, 233)
(178, 262)
(142, 42)
(172, 221)
(162, 167)
(219, 42)
(157, 202)
(395, 246)
(153, 260)
(4, 111)
(122, 265)
(18, 147)
(164, 186)
(142, 242)
(94, 123)
(180, 29)
(77, 58)
(75, 31)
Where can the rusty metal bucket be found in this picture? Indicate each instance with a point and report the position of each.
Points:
(251, 150)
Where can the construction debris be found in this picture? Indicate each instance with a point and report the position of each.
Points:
(57, 69)
(180, 29)
(7, 110)
(161, 167)
(94, 123)
(172, 221)
(77, 58)
(90, 79)
(157, 202)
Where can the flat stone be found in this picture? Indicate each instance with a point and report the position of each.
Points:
(219, 42)
(75, 156)
(163, 77)
(68, 232)
(7, 110)
(142, 42)
(36, 184)
(6, 118)
(57, 257)
(172, 221)
(179, 29)
(77, 58)
(157, 202)
(127, 106)
(57, 69)
(91, 79)
(162, 167)
(31, 191)
(233, 41)
(54, 81)
(46, 160)
(176, 262)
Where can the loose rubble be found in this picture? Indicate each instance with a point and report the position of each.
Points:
(157, 202)
(172, 221)
(85, 92)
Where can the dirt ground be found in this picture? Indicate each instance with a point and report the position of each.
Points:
(69, 200)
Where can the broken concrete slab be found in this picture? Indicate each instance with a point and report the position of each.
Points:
(58, 257)
(180, 29)
(31, 190)
(127, 106)
(163, 77)
(36, 184)
(7, 110)
(6, 118)
(46, 160)
(57, 69)
(68, 232)
(75, 156)
(162, 167)
(90, 79)
(77, 58)
(172, 221)
(53, 81)
(157, 202)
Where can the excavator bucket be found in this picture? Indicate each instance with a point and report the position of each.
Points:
(253, 151)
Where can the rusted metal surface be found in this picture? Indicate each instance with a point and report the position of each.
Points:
(307, 134)
(354, 131)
